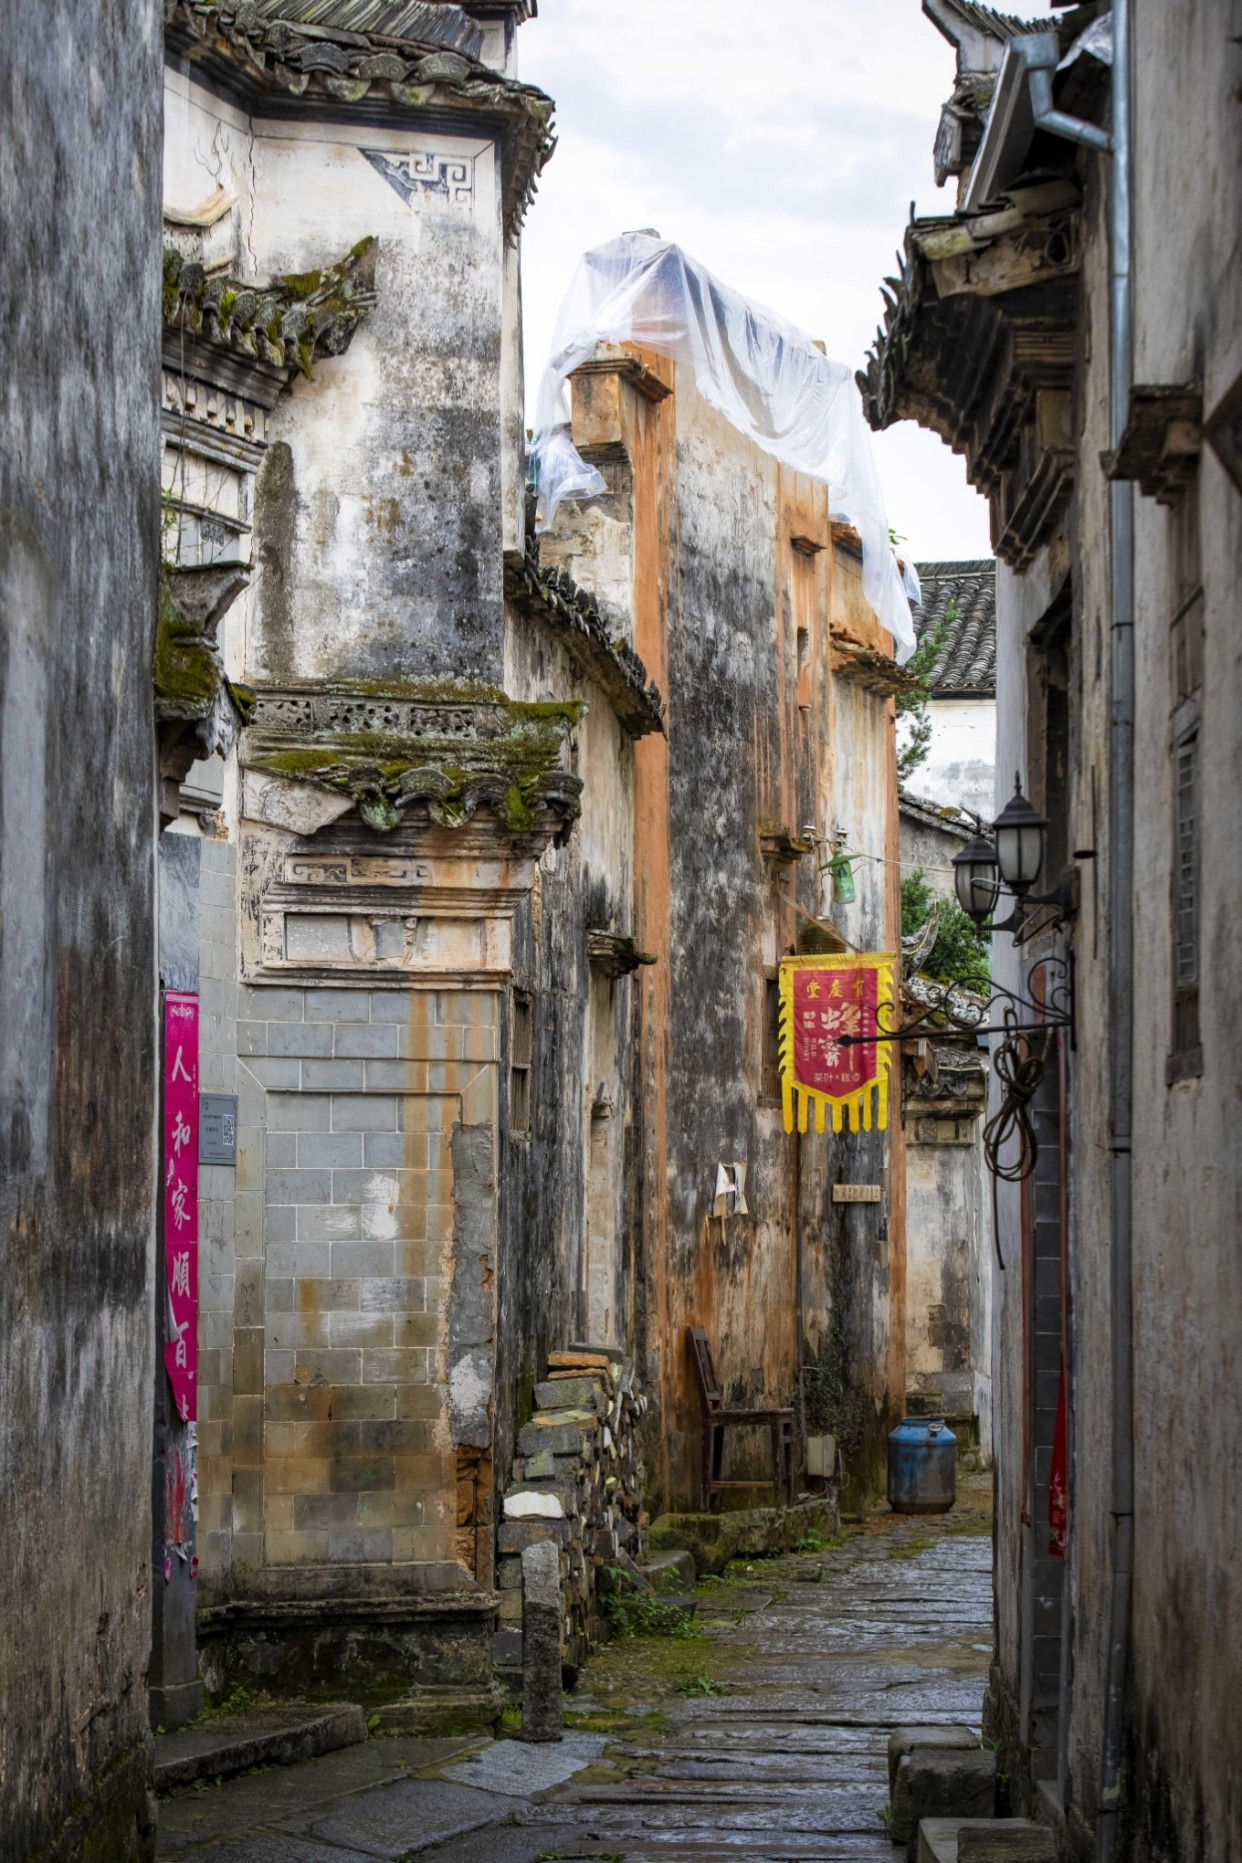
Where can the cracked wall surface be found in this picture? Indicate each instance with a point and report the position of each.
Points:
(79, 546)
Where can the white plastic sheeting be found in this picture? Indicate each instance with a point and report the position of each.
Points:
(765, 376)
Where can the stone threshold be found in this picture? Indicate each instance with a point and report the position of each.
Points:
(279, 1735)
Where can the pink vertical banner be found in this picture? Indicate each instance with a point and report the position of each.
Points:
(181, 1198)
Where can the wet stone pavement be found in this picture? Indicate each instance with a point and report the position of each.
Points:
(761, 1735)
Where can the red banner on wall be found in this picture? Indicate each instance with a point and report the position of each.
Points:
(181, 1198)
(829, 1005)
(1058, 1479)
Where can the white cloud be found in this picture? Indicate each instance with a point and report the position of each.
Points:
(781, 143)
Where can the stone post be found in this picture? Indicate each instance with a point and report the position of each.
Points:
(542, 1712)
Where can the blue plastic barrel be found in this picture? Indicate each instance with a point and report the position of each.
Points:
(922, 1466)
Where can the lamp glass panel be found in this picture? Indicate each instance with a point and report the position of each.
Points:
(1020, 852)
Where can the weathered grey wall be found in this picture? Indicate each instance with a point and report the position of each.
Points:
(691, 557)
(1182, 1794)
(390, 486)
(79, 543)
(545, 1177)
(1187, 1156)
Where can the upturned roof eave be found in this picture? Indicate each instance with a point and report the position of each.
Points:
(281, 68)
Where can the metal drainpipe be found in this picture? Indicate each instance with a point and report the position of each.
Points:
(1121, 968)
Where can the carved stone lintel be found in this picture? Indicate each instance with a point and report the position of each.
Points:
(422, 748)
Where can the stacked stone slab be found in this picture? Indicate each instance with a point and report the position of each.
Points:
(577, 1481)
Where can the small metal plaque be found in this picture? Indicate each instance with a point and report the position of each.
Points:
(856, 1193)
(217, 1128)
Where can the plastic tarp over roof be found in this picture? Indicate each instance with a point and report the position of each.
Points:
(763, 375)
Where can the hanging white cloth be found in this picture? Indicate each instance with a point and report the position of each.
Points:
(765, 377)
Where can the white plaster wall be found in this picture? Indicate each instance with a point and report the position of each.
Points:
(403, 481)
(961, 762)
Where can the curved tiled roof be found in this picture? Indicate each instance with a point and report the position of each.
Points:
(425, 21)
(963, 596)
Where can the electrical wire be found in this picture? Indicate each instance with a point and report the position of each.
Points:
(1018, 1063)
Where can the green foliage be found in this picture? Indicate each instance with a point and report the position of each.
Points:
(649, 1617)
(960, 953)
(703, 1685)
(913, 702)
(815, 1543)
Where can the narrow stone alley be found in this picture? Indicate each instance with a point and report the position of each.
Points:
(761, 1734)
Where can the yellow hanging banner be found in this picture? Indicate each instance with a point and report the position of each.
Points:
(829, 1005)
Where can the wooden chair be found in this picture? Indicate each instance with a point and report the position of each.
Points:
(717, 1419)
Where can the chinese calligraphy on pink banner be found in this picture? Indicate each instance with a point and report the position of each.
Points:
(181, 1198)
(829, 1006)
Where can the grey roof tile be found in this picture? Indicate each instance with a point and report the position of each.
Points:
(424, 21)
(963, 596)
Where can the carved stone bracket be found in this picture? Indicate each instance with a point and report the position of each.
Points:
(613, 955)
(1162, 442)
(198, 711)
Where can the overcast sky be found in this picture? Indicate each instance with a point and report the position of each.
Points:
(779, 141)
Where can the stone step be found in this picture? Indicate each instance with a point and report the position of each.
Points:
(279, 1735)
(985, 1840)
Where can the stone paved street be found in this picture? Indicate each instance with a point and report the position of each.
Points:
(763, 1737)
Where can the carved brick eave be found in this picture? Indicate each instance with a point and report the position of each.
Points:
(550, 597)
(867, 666)
(1162, 441)
(267, 331)
(979, 345)
(277, 67)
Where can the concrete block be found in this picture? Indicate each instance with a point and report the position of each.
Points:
(329, 1151)
(281, 1073)
(338, 1006)
(541, 1467)
(368, 1041)
(984, 1840)
(299, 1187)
(943, 1782)
(300, 1038)
(542, 1708)
(298, 1112)
(332, 1076)
(269, 1003)
(375, 1112)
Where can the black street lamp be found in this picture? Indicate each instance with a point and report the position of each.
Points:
(1021, 832)
(977, 878)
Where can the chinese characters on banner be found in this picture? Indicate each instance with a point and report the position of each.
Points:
(181, 1198)
(827, 1005)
